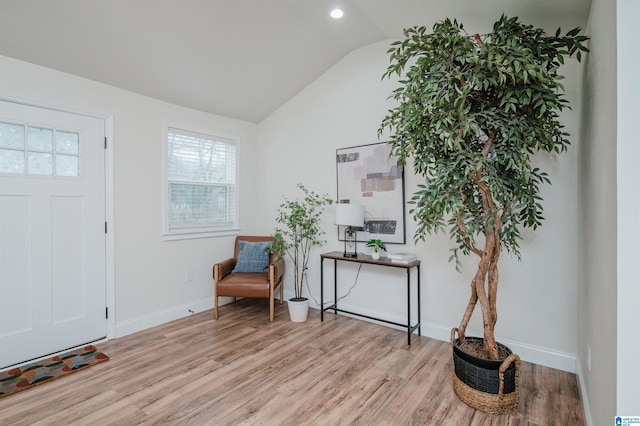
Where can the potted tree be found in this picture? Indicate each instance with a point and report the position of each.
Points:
(297, 233)
(472, 111)
(377, 246)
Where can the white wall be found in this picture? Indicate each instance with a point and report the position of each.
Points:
(344, 107)
(597, 219)
(149, 273)
(628, 111)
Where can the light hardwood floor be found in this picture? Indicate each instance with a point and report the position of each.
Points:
(242, 369)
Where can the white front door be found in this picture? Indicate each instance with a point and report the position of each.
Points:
(52, 231)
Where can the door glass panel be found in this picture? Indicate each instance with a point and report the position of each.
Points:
(38, 156)
(67, 165)
(11, 161)
(40, 139)
(40, 164)
(67, 143)
(11, 135)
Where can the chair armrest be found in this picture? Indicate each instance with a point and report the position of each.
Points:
(224, 268)
(276, 270)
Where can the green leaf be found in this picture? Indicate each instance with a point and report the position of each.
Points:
(457, 97)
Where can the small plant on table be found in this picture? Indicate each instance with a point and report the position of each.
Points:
(377, 246)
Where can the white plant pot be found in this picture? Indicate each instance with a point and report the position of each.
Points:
(298, 310)
(375, 255)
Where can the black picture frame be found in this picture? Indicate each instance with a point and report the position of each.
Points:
(369, 175)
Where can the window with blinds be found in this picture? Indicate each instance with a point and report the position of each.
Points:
(202, 190)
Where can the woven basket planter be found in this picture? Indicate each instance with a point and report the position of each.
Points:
(486, 385)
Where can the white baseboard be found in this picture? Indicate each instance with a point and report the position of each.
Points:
(161, 317)
(583, 393)
(529, 353)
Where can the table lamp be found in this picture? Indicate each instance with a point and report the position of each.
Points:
(351, 216)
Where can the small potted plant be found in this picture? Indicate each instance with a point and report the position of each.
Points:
(298, 230)
(377, 246)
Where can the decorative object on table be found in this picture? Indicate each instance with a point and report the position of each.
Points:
(369, 175)
(297, 232)
(402, 257)
(472, 111)
(377, 246)
(253, 271)
(351, 217)
(21, 378)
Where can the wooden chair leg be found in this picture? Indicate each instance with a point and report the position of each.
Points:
(281, 294)
(271, 308)
(215, 307)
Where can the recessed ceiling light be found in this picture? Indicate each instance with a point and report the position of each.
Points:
(336, 13)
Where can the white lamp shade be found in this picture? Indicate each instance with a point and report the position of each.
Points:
(349, 215)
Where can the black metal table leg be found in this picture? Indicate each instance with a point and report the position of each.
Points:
(322, 289)
(335, 286)
(409, 306)
(419, 310)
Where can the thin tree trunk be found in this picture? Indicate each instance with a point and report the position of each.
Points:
(473, 300)
(480, 282)
(485, 286)
(493, 280)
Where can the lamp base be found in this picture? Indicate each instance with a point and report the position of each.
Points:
(350, 242)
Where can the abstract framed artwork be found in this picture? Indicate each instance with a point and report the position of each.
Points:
(369, 175)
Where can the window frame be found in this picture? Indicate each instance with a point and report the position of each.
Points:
(186, 231)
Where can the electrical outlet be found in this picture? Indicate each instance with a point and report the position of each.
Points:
(188, 275)
(589, 358)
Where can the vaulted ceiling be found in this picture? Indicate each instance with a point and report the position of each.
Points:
(236, 58)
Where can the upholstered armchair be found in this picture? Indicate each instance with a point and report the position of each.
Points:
(252, 272)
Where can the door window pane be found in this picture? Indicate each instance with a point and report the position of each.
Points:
(40, 164)
(11, 161)
(11, 135)
(40, 139)
(67, 165)
(67, 143)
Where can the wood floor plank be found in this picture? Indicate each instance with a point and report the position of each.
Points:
(245, 370)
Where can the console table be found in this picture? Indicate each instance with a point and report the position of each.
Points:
(363, 258)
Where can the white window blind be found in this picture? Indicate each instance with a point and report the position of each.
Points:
(202, 181)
